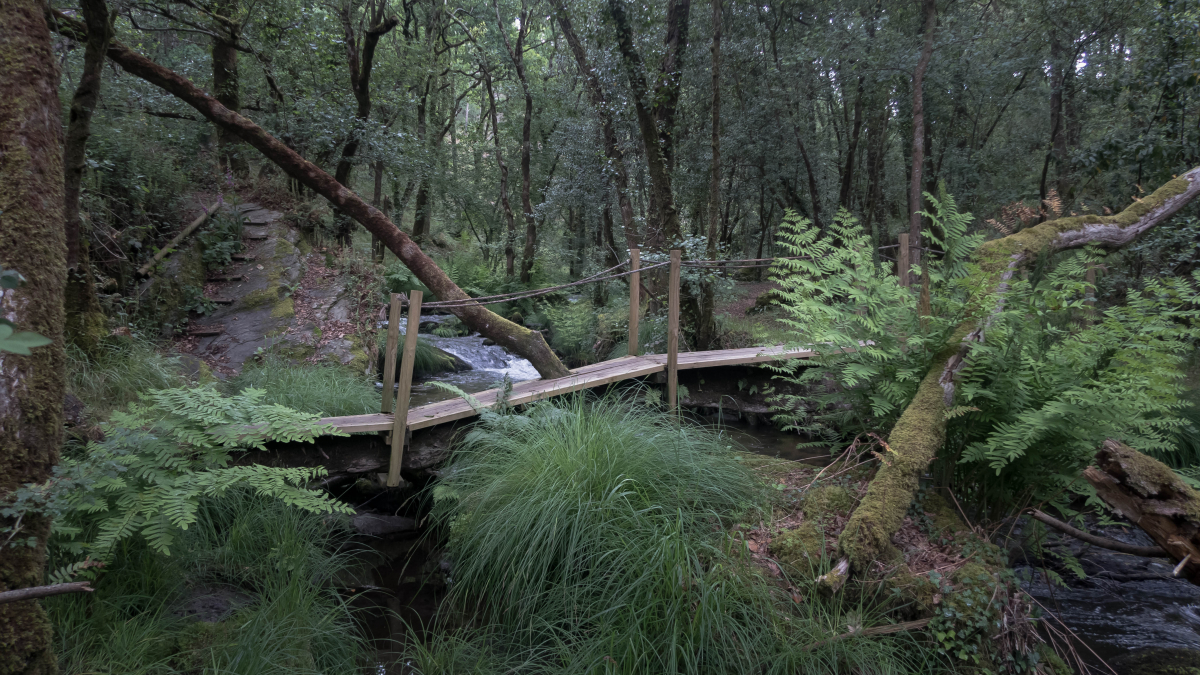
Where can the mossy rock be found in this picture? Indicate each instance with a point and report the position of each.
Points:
(261, 297)
(800, 549)
(827, 499)
(1158, 661)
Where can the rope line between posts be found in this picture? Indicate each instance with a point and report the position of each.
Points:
(521, 295)
(604, 275)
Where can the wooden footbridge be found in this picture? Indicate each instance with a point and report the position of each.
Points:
(401, 420)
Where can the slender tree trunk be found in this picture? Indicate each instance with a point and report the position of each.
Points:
(852, 150)
(510, 255)
(517, 339)
(612, 151)
(517, 56)
(227, 86)
(361, 60)
(915, 198)
(32, 242)
(706, 337)
(85, 321)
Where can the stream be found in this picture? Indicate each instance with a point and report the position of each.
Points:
(1126, 603)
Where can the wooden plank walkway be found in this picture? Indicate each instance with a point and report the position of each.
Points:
(595, 375)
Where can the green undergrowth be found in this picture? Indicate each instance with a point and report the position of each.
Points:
(593, 535)
(321, 389)
(261, 572)
(119, 370)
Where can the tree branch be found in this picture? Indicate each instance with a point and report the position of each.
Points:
(1102, 542)
(35, 592)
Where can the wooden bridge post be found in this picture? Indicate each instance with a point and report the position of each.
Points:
(400, 423)
(902, 263)
(635, 298)
(389, 356)
(673, 332)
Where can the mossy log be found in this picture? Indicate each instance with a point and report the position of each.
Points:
(1154, 498)
(921, 429)
(517, 339)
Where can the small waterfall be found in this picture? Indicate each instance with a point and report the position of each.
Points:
(489, 363)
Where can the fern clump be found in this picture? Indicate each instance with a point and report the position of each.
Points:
(872, 345)
(1055, 378)
(162, 458)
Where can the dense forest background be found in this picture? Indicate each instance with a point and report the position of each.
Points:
(490, 122)
(498, 148)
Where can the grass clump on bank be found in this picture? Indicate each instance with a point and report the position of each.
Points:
(320, 389)
(120, 369)
(593, 535)
(260, 574)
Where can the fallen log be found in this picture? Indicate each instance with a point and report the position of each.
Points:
(163, 252)
(1153, 497)
(921, 429)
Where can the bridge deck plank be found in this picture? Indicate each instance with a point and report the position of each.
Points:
(595, 375)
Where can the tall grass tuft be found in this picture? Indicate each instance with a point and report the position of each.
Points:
(279, 560)
(120, 370)
(320, 389)
(592, 535)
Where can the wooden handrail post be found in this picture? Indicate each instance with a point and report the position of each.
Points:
(673, 332)
(389, 356)
(400, 423)
(635, 298)
(902, 264)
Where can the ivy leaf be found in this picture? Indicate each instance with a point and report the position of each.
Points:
(10, 279)
(20, 343)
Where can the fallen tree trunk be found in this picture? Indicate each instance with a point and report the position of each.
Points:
(518, 339)
(921, 429)
(1153, 497)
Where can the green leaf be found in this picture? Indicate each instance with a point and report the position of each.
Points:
(20, 343)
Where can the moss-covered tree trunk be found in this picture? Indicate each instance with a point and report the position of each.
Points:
(517, 339)
(921, 429)
(32, 241)
(85, 321)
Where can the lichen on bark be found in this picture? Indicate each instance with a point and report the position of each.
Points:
(33, 242)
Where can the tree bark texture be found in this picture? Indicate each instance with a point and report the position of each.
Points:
(33, 242)
(915, 197)
(1153, 497)
(921, 429)
(518, 339)
(85, 322)
(612, 152)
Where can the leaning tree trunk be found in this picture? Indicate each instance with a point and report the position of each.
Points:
(518, 339)
(85, 320)
(921, 429)
(32, 242)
